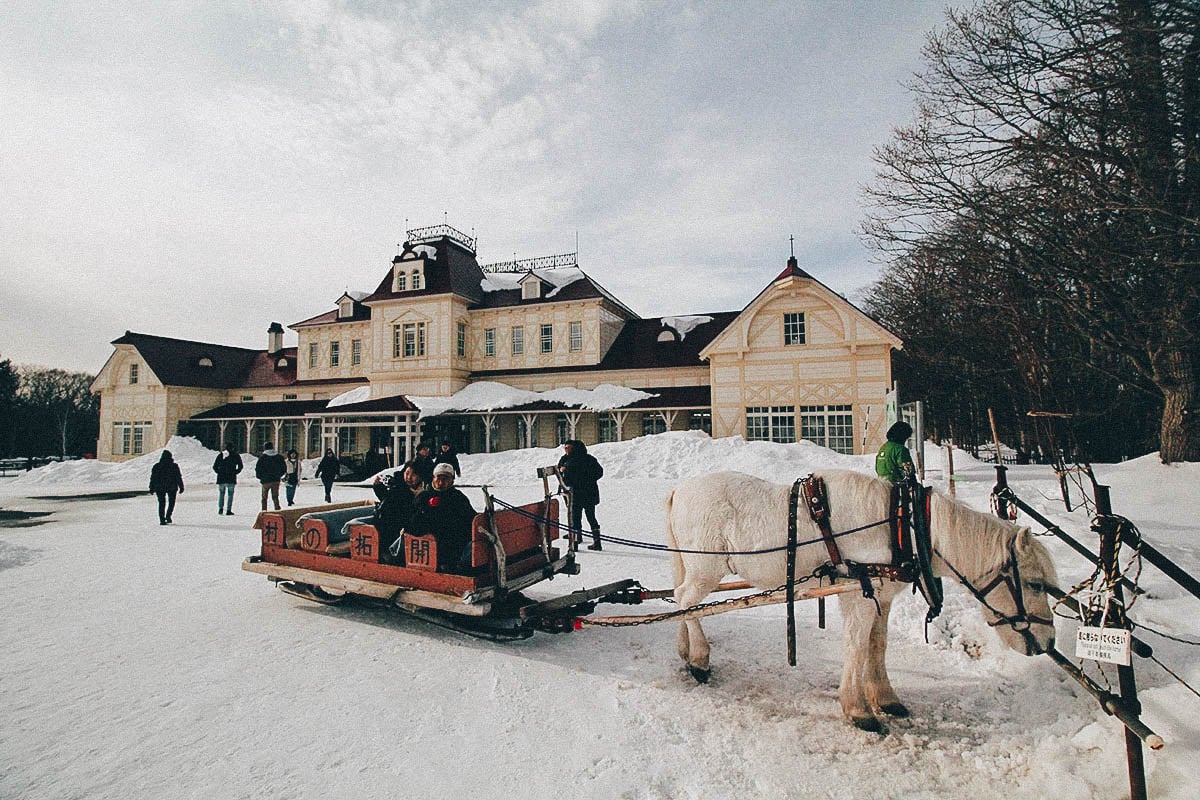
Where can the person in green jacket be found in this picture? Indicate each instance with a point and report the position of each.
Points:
(893, 461)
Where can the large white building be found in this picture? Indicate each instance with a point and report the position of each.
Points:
(799, 361)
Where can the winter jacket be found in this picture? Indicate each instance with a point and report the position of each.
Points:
(270, 467)
(165, 476)
(424, 466)
(227, 467)
(448, 457)
(580, 472)
(446, 516)
(894, 462)
(397, 503)
(329, 468)
(292, 472)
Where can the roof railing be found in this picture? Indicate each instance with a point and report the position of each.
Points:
(541, 262)
(435, 232)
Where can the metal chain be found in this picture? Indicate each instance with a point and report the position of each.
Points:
(652, 618)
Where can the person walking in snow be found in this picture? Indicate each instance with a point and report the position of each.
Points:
(581, 472)
(447, 455)
(165, 481)
(269, 470)
(893, 461)
(227, 465)
(327, 471)
(291, 478)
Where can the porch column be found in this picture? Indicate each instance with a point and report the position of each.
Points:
(572, 422)
(249, 431)
(277, 427)
(530, 419)
(488, 421)
(668, 417)
(307, 427)
(395, 455)
(619, 417)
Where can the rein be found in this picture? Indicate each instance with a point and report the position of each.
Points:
(1020, 621)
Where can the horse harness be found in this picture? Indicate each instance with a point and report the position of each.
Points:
(912, 548)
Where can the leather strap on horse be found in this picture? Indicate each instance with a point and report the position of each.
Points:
(791, 571)
(818, 508)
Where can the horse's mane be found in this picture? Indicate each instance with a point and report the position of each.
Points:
(978, 543)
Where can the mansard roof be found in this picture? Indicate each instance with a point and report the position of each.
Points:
(503, 289)
(451, 268)
(182, 362)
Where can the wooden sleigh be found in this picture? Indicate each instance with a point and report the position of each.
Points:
(332, 553)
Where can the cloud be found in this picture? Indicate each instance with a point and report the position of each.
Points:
(206, 172)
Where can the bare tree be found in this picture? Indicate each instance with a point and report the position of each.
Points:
(63, 399)
(1055, 162)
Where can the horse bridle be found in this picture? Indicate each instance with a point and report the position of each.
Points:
(1009, 576)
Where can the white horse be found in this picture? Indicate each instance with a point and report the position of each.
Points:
(730, 512)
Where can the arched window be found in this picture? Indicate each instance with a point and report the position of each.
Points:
(416, 279)
(204, 361)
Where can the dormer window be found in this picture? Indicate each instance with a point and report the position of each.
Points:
(345, 308)
(204, 361)
(280, 364)
(408, 273)
(531, 287)
(667, 335)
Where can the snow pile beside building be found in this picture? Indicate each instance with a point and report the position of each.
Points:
(194, 459)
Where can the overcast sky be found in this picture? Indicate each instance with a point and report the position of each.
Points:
(201, 169)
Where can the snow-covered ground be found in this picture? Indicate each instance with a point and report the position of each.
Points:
(140, 661)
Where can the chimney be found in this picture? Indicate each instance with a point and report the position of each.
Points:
(274, 338)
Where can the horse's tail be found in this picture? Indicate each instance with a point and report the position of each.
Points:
(676, 559)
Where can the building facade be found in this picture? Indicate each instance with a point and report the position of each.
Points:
(798, 362)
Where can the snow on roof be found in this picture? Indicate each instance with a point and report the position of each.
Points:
(358, 296)
(684, 325)
(493, 396)
(507, 281)
(357, 395)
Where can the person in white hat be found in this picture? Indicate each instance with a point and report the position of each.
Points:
(446, 514)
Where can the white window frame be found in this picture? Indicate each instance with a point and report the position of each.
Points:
(314, 353)
(518, 340)
(771, 424)
(830, 426)
(489, 342)
(413, 339)
(355, 352)
(547, 338)
(133, 373)
(401, 281)
(335, 354)
(575, 336)
(461, 340)
(795, 331)
(606, 427)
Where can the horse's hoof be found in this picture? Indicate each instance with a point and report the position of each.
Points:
(701, 675)
(868, 724)
(898, 710)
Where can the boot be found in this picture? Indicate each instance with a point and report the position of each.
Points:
(595, 545)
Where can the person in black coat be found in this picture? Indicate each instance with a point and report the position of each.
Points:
(227, 465)
(446, 514)
(328, 470)
(581, 473)
(269, 470)
(424, 462)
(165, 481)
(397, 495)
(447, 455)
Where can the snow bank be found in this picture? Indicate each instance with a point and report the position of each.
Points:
(194, 459)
